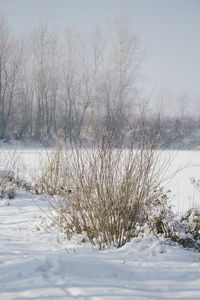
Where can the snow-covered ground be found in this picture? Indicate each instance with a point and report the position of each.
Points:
(36, 262)
(184, 165)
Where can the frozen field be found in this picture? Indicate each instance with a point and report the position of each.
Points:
(182, 166)
(37, 262)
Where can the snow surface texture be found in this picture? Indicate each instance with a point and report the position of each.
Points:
(36, 263)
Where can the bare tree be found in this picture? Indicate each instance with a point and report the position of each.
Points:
(47, 85)
(117, 82)
(76, 84)
(45, 78)
(70, 85)
(9, 70)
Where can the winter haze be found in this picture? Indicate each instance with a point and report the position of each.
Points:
(170, 29)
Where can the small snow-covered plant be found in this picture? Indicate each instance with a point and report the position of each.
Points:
(7, 176)
(184, 229)
(191, 223)
(7, 188)
(158, 216)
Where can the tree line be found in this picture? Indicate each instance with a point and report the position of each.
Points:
(72, 84)
(51, 83)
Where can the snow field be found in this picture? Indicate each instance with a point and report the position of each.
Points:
(37, 262)
(181, 167)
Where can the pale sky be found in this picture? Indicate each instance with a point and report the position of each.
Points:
(169, 28)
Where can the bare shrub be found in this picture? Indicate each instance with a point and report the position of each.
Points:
(53, 179)
(106, 192)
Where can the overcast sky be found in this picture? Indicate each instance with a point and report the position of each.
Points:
(170, 28)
